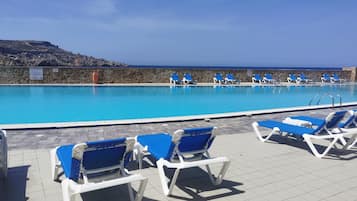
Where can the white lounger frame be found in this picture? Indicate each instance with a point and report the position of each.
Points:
(71, 188)
(184, 163)
(308, 139)
(3, 154)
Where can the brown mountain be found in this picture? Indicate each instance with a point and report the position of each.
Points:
(43, 53)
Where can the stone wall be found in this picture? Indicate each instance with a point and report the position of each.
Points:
(20, 75)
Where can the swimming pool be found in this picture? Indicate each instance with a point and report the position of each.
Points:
(43, 104)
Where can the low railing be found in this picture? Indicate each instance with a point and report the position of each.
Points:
(319, 97)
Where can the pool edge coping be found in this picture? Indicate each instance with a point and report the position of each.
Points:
(205, 117)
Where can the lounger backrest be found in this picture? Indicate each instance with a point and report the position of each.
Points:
(326, 76)
(93, 156)
(302, 76)
(230, 76)
(268, 76)
(335, 76)
(174, 76)
(257, 77)
(196, 140)
(218, 76)
(188, 76)
(334, 118)
(350, 121)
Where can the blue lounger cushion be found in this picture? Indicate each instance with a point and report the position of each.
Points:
(64, 154)
(283, 127)
(193, 140)
(102, 154)
(159, 145)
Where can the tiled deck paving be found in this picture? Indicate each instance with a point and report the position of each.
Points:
(259, 171)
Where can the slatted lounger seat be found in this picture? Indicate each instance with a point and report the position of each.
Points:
(3, 155)
(95, 165)
(298, 131)
(184, 149)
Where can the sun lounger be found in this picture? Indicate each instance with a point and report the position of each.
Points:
(218, 79)
(184, 149)
(229, 79)
(302, 78)
(256, 78)
(187, 79)
(268, 78)
(3, 154)
(292, 78)
(325, 78)
(308, 134)
(174, 79)
(335, 78)
(95, 165)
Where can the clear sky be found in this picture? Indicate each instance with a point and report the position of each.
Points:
(192, 32)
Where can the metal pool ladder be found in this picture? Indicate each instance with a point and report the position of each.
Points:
(318, 98)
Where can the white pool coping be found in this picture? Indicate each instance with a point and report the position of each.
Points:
(166, 119)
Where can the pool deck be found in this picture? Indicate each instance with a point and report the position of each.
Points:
(282, 169)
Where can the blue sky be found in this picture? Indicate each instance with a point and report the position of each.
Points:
(192, 32)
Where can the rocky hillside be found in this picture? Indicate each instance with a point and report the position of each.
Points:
(43, 53)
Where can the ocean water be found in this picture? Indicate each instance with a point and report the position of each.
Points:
(43, 104)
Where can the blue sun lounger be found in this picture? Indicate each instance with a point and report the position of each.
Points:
(184, 149)
(302, 78)
(3, 154)
(218, 79)
(229, 79)
(308, 134)
(95, 165)
(268, 78)
(325, 78)
(292, 78)
(174, 79)
(335, 78)
(256, 78)
(187, 79)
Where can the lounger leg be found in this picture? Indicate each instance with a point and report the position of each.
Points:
(312, 147)
(342, 139)
(219, 178)
(140, 193)
(260, 136)
(351, 143)
(167, 190)
(54, 164)
(131, 194)
(66, 192)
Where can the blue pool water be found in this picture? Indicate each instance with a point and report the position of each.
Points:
(40, 104)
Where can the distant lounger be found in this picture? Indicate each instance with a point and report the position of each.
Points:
(292, 78)
(174, 79)
(256, 78)
(3, 155)
(186, 148)
(230, 79)
(325, 78)
(218, 79)
(302, 78)
(187, 79)
(268, 78)
(95, 165)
